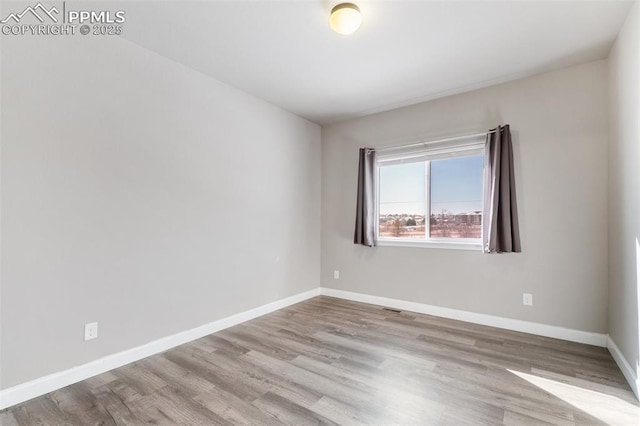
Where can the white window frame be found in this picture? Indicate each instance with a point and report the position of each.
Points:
(473, 146)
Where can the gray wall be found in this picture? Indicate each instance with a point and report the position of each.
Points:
(559, 124)
(624, 188)
(143, 195)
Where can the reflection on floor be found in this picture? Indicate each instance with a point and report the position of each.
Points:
(333, 361)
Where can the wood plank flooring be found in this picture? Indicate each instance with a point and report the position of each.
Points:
(330, 361)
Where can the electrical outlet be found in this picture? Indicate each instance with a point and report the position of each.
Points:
(336, 275)
(91, 331)
(527, 299)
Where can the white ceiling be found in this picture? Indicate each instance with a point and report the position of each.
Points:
(405, 52)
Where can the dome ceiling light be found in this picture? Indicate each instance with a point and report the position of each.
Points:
(345, 18)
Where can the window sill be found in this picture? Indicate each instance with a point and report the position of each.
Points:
(449, 245)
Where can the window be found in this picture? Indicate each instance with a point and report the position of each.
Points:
(431, 197)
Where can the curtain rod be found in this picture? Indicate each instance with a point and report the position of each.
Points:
(427, 142)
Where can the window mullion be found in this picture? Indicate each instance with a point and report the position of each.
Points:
(427, 204)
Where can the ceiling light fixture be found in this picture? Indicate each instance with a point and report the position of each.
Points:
(345, 18)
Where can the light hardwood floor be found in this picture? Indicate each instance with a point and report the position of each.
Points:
(330, 361)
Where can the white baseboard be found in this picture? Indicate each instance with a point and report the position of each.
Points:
(596, 339)
(49, 383)
(25, 391)
(628, 371)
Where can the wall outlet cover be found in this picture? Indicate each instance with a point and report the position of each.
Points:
(91, 331)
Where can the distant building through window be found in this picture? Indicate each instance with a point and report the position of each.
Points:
(431, 196)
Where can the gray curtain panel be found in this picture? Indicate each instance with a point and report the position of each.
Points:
(500, 232)
(365, 232)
